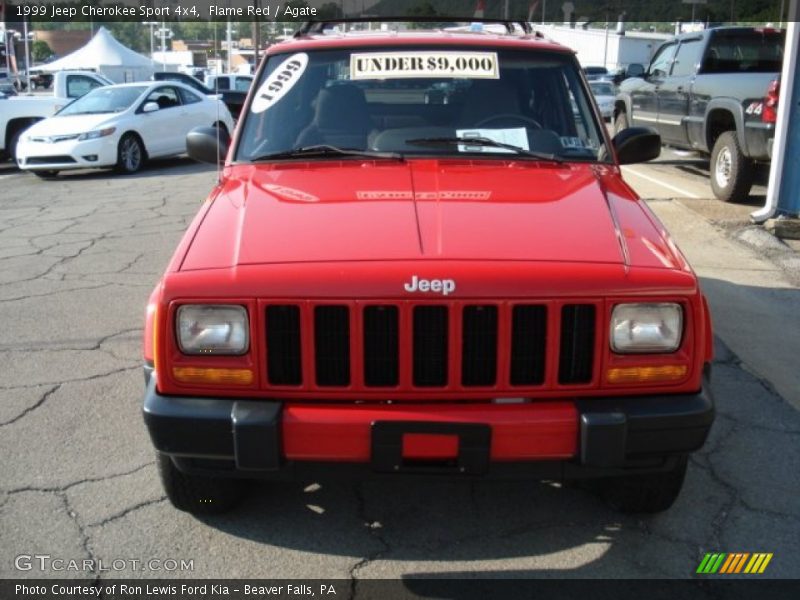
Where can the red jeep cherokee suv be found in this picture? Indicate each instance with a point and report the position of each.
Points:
(421, 258)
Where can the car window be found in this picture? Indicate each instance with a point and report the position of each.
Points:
(109, 99)
(754, 52)
(242, 84)
(80, 85)
(164, 96)
(366, 99)
(687, 58)
(188, 97)
(221, 83)
(659, 66)
(602, 89)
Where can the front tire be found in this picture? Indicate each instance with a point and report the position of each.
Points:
(651, 493)
(13, 142)
(196, 494)
(731, 171)
(130, 154)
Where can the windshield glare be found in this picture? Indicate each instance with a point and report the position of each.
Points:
(380, 99)
(104, 100)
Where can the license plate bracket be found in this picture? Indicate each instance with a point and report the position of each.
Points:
(474, 446)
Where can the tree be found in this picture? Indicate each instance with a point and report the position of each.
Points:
(330, 11)
(40, 51)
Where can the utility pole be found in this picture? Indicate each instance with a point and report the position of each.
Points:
(163, 46)
(228, 46)
(27, 54)
(256, 36)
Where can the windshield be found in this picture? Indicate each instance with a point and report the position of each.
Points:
(602, 89)
(104, 100)
(421, 101)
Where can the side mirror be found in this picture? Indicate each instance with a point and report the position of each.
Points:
(637, 144)
(150, 107)
(635, 70)
(208, 144)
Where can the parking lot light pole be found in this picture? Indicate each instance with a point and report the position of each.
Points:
(27, 54)
(151, 25)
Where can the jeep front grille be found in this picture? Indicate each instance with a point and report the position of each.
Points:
(430, 347)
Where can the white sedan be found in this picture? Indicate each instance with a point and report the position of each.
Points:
(604, 94)
(119, 126)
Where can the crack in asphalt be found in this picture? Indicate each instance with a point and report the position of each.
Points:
(42, 399)
(84, 536)
(127, 511)
(374, 526)
(72, 484)
(66, 381)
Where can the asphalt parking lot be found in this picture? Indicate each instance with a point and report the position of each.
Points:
(79, 257)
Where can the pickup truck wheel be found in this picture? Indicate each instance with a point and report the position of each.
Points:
(195, 494)
(621, 122)
(731, 171)
(650, 493)
(130, 154)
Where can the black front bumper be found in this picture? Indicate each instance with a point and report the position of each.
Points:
(242, 438)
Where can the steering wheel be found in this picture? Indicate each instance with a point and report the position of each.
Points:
(521, 118)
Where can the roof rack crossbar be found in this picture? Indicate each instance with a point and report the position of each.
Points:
(315, 27)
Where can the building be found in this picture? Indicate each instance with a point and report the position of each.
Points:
(606, 47)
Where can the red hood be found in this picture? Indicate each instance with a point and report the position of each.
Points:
(426, 209)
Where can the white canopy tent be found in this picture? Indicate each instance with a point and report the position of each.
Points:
(104, 54)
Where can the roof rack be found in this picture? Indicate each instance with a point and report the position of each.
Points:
(315, 27)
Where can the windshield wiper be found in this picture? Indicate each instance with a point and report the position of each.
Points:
(326, 150)
(483, 142)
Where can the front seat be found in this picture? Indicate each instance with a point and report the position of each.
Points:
(341, 119)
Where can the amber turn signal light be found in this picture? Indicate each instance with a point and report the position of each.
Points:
(646, 374)
(216, 376)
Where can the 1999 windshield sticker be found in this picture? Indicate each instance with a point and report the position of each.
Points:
(279, 82)
(404, 65)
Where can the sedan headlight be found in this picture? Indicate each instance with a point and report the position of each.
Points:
(651, 328)
(213, 329)
(98, 133)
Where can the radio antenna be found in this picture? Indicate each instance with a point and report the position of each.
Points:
(216, 92)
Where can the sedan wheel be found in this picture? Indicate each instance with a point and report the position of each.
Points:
(130, 154)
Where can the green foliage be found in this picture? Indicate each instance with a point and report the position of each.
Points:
(330, 11)
(40, 51)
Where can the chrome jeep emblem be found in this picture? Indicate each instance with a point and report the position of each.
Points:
(437, 286)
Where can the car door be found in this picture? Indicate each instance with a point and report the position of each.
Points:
(195, 111)
(673, 93)
(162, 129)
(644, 99)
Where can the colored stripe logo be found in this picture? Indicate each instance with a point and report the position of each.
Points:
(735, 562)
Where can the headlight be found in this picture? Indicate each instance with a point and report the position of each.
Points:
(648, 328)
(93, 135)
(212, 329)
